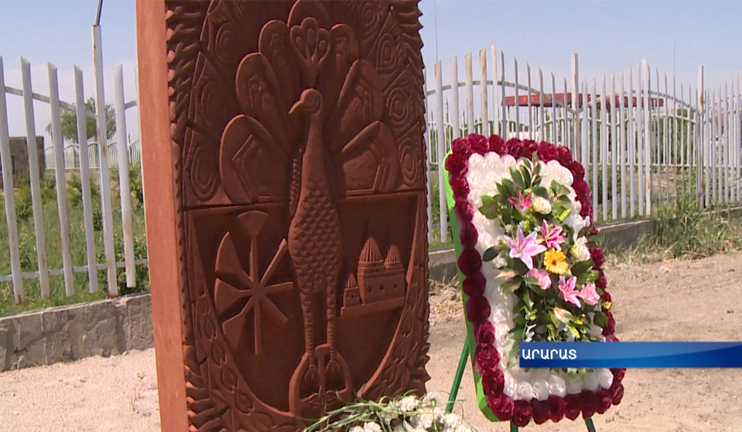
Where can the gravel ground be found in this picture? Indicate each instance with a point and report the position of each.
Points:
(676, 300)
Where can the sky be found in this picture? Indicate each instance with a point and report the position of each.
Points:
(608, 36)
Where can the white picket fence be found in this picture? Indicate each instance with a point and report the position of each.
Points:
(74, 158)
(642, 138)
(72, 153)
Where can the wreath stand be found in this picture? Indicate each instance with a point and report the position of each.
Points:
(465, 350)
(457, 383)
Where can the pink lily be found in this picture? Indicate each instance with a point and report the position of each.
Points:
(521, 202)
(543, 277)
(589, 294)
(567, 289)
(553, 239)
(524, 248)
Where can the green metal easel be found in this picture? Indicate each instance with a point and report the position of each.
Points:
(465, 351)
(457, 383)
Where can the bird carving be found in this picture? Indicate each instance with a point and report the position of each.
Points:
(315, 245)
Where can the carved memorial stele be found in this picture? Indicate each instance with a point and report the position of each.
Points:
(297, 153)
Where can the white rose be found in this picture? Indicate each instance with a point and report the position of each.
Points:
(541, 205)
(371, 427)
(408, 403)
(580, 250)
(560, 173)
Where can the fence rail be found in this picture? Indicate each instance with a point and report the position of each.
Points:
(77, 161)
(643, 138)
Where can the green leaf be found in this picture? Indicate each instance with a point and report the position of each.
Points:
(600, 319)
(540, 190)
(528, 302)
(506, 214)
(510, 186)
(581, 267)
(490, 254)
(558, 188)
(519, 321)
(526, 176)
(488, 200)
(573, 331)
(520, 306)
(489, 211)
(509, 286)
(503, 190)
(517, 178)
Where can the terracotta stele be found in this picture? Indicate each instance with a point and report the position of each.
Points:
(284, 176)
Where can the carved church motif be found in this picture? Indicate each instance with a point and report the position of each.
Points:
(299, 134)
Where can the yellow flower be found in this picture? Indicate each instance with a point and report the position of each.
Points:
(555, 262)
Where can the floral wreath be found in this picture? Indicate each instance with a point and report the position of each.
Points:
(532, 272)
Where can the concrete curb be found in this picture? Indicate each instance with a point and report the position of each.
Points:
(110, 327)
(66, 333)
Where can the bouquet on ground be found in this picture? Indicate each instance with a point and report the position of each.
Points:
(533, 273)
(406, 413)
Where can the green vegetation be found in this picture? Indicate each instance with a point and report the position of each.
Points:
(27, 241)
(684, 231)
(68, 122)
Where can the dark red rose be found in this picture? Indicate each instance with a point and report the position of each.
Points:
(457, 164)
(616, 393)
(497, 145)
(578, 171)
(597, 256)
(618, 374)
(469, 261)
(522, 413)
(589, 402)
(611, 338)
(606, 297)
(610, 328)
(601, 282)
(557, 406)
(591, 230)
(486, 335)
(564, 155)
(477, 309)
(582, 190)
(479, 143)
(493, 382)
(605, 400)
(541, 411)
(464, 209)
(546, 151)
(501, 405)
(515, 147)
(474, 284)
(587, 209)
(459, 186)
(573, 406)
(487, 359)
(461, 146)
(468, 236)
(529, 148)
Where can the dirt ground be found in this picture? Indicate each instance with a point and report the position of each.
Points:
(679, 300)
